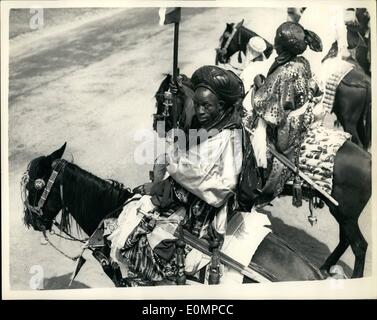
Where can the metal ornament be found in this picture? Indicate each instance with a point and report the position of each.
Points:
(168, 103)
(39, 184)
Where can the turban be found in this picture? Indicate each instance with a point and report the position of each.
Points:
(257, 44)
(225, 84)
(291, 37)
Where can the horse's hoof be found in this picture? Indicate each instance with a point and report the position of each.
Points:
(43, 241)
(325, 272)
(337, 272)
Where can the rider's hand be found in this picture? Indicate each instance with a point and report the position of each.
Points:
(139, 190)
(143, 189)
(173, 87)
(258, 81)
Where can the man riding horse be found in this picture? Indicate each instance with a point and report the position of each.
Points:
(203, 174)
(282, 105)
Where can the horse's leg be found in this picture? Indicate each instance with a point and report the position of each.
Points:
(359, 248)
(352, 188)
(102, 255)
(337, 253)
(114, 274)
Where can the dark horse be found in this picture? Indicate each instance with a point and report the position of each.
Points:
(88, 199)
(352, 105)
(233, 40)
(352, 189)
(183, 104)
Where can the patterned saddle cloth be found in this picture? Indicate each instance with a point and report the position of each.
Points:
(335, 71)
(317, 154)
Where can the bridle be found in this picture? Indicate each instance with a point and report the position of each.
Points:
(224, 50)
(58, 166)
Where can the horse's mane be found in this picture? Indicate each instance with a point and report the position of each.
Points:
(89, 198)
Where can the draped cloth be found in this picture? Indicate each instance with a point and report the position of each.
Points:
(282, 103)
(210, 169)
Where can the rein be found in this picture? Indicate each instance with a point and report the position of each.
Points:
(84, 241)
(58, 167)
(60, 251)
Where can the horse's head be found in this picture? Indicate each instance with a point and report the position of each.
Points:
(164, 113)
(40, 190)
(159, 95)
(229, 43)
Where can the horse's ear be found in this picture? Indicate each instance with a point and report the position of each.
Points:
(239, 24)
(58, 153)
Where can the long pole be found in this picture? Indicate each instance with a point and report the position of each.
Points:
(175, 53)
(175, 71)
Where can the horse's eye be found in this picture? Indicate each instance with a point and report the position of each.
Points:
(39, 184)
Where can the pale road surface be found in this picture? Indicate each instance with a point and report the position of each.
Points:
(92, 85)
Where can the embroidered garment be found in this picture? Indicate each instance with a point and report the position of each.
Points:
(283, 103)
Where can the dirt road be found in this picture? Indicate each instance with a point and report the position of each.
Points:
(92, 86)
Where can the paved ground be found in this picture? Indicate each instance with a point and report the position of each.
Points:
(92, 84)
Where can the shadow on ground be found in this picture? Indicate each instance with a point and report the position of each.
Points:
(62, 282)
(313, 249)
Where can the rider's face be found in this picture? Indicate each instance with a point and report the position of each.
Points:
(208, 107)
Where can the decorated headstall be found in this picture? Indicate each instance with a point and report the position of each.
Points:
(222, 51)
(40, 184)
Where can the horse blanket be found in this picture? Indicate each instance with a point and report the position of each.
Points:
(317, 154)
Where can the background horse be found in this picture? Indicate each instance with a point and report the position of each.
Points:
(235, 39)
(89, 199)
(352, 105)
(352, 189)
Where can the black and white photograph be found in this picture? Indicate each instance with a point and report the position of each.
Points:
(170, 149)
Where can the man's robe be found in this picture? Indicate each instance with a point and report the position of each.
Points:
(210, 169)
